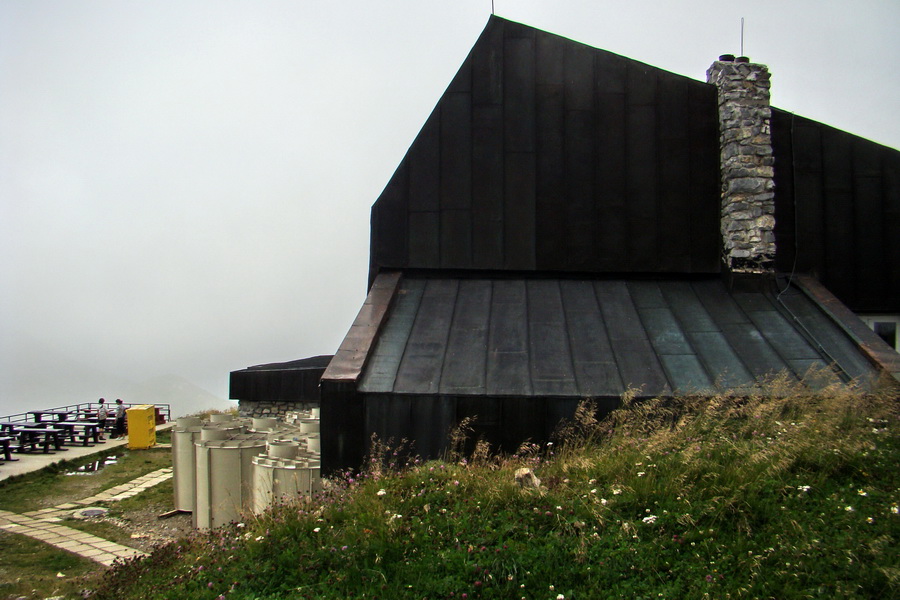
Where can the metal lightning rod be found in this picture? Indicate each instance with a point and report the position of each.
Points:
(742, 35)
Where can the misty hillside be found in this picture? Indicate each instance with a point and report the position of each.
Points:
(34, 375)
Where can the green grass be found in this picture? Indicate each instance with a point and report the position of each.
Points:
(786, 495)
(31, 569)
(51, 486)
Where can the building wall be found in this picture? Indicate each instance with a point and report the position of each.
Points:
(548, 155)
(837, 212)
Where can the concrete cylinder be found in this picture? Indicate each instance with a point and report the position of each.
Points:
(219, 432)
(184, 461)
(224, 480)
(283, 449)
(309, 426)
(183, 422)
(264, 423)
(221, 417)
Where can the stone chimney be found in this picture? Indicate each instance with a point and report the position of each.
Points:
(745, 146)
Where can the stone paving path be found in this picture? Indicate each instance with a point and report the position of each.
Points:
(44, 524)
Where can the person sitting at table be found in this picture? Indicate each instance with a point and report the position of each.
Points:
(102, 415)
(119, 429)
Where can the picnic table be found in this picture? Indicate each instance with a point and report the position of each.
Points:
(59, 415)
(6, 443)
(85, 430)
(31, 435)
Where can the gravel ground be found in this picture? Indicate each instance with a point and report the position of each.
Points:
(148, 530)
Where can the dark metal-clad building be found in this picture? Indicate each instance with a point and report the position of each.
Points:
(275, 388)
(555, 233)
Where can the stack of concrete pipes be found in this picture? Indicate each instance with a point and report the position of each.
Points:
(226, 467)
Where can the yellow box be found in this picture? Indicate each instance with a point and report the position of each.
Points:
(141, 426)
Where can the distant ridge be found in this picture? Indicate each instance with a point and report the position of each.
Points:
(34, 375)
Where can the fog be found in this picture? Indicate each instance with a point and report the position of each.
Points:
(185, 186)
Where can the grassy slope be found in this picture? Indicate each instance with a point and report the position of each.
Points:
(30, 569)
(792, 497)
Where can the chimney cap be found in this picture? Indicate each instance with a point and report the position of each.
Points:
(726, 58)
(742, 59)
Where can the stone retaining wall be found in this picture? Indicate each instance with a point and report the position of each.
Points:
(247, 408)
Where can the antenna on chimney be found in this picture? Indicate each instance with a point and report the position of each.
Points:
(742, 34)
(492, 6)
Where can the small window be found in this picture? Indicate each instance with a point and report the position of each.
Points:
(887, 331)
(887, 327)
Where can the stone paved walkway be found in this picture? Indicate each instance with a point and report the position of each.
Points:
(44, 524)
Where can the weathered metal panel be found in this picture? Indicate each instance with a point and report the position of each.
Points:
(524, 419)
(456, 239)
(831, 188)
(432, 419)
(687, 374)
(425, 238)
(686, 306)
(756, 353)
(550, 243)
(551, 362)
(551, 50)
(841, 349)
(518, 94)
(456, 152)
(720, 361)
(507, 360)
(385, 362)
(519, 212)
(593, 360)
(780, 333)
(580, 206)
(487, 66)
(424, 163)
(703, 204)
(664, 331)
(487, 187)
(420, 369)
(465, 359)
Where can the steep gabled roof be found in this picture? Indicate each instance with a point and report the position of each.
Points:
(545, 154)
(548, 155)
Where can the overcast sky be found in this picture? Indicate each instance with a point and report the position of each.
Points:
(185, 185)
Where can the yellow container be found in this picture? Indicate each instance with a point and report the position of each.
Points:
(141, 426)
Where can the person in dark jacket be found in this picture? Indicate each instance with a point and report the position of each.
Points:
(119, 429)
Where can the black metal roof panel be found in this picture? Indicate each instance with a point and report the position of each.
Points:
(296, 381)
(545, 154)
(837, 203)
(597, 338)
(313, 362)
